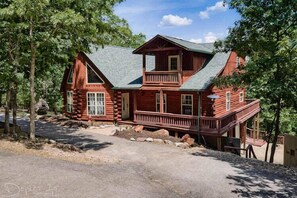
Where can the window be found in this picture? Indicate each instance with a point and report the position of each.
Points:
(69, 101)
(158, 102)
(187, 104)
(237, 61)
(241, 96)
(228, 99)
(96, 104)
(70, 76)
(173, 62)
(92, 76)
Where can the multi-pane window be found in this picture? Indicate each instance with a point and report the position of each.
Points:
(96, 104)
(173, 62)
(228, 100)
(241, 96)
(158, 102)
(187, 104)
(70, 76)
(92, 76)
(69, 101)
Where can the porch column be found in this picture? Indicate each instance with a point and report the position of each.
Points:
(243, 133)
(180, 70)
(161, 101)
(143, 68)
(134, 105)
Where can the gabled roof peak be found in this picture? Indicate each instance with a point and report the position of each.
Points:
(206, 48)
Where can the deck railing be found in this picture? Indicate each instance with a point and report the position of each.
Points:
(161, 78)
(166, 120)
(222, 123)
(208, 125)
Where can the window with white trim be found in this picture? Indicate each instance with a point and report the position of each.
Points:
(187, 104)
(92, 76)
(70, 76)
(158, 102)
(241, 96)
(96, 103)
(237, 61)
(173, 62)
(228, 100)
(69, 101)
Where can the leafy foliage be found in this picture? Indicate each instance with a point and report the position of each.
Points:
(43, 36)
(267, 33)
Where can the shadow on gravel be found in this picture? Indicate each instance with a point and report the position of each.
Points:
(63, 135)
(255, 178)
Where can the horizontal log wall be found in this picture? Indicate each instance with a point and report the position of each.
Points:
(80, 88)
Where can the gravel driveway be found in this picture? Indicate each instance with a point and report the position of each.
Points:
(142, 170)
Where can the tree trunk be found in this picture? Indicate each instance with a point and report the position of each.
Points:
(32, 86)
(269, 128)
(14, 109)
(7, 107)
(277, 130)
(32, 97)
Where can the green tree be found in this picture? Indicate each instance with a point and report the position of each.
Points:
(267, 33)
(53, 30)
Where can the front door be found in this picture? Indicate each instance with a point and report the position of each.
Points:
(125, 106)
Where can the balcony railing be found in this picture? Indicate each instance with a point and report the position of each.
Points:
(208, 125)
(162, 78)
(167, 120)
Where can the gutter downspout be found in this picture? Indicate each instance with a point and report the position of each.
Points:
(198, 118)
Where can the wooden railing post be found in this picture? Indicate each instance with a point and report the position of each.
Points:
(143, 68)
(180, 68)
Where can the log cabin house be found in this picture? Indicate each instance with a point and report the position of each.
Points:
(165, 83)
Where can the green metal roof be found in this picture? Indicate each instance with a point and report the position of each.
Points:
(122, 68)
(190, 46)
(203, 78)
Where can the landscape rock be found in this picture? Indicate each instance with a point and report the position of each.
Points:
(140, 139)
(52, 142)
(132, 139)
(149, 139)
(191, 141)
(182, 145)
(185, 138)
(138, 128)
(115, 132)
(161, 132)
(168, 142)
(159, 141)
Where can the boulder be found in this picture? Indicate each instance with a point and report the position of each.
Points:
(190, 141)
(41, 107)
(138, 128)
(185, 138)
(52, 142)
(182, 145)
(149, 139)
(168, 142)
(160, 141)
(161, 132)
(140, 139)
(132, 139)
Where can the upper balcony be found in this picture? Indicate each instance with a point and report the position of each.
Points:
(162, 78)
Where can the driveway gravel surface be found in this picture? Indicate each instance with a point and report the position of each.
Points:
(141, 170)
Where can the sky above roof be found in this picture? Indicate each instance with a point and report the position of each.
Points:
(194, 20)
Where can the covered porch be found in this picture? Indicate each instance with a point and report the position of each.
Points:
(178, 111)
